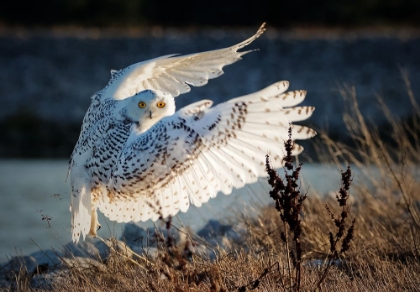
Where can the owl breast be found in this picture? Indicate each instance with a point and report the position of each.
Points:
(105, 154)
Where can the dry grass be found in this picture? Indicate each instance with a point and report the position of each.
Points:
(299, 244)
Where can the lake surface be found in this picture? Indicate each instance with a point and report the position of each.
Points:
(31, 190)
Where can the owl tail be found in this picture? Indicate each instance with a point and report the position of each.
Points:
(80, 207)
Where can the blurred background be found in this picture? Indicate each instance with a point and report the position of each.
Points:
(55, 54)
(237, 13)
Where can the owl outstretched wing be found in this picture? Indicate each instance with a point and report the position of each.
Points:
(167, 73)
(201, 150)
(174, 74)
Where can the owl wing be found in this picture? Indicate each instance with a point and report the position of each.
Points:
(201, 150)
(174, 74)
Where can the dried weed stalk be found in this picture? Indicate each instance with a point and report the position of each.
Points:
(288, 202)
(340, 224)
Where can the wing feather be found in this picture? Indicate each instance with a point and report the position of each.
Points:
(213, 175)
(204, 150)
(194, 69)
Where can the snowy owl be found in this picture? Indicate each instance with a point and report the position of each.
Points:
(138, 159)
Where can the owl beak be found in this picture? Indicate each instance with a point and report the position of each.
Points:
(150, 114)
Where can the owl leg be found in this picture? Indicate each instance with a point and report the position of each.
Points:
(94, 223)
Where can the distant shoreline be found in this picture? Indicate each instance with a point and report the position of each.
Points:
(296, 32)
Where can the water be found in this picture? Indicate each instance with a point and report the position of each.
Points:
(33, 190)
(54, 76)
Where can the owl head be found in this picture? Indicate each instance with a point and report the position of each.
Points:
(149, 106)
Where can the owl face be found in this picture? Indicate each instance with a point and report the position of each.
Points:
(149, 106)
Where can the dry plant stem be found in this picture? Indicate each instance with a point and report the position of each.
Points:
(255, 283)
(126, 257)
(330, 257)
(289, 267)
(415, 243)
(407, 82)
(288, 199)
(340, 224)
(362, 127)
(407, 202)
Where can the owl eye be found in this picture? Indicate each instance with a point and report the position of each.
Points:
(142, 104)
(161, 104)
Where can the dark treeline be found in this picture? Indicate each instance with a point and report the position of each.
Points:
(209, 13)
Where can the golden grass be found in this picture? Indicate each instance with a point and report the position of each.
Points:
(380, 253)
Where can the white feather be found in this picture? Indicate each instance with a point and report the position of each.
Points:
(80, 206)
(194, 69)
